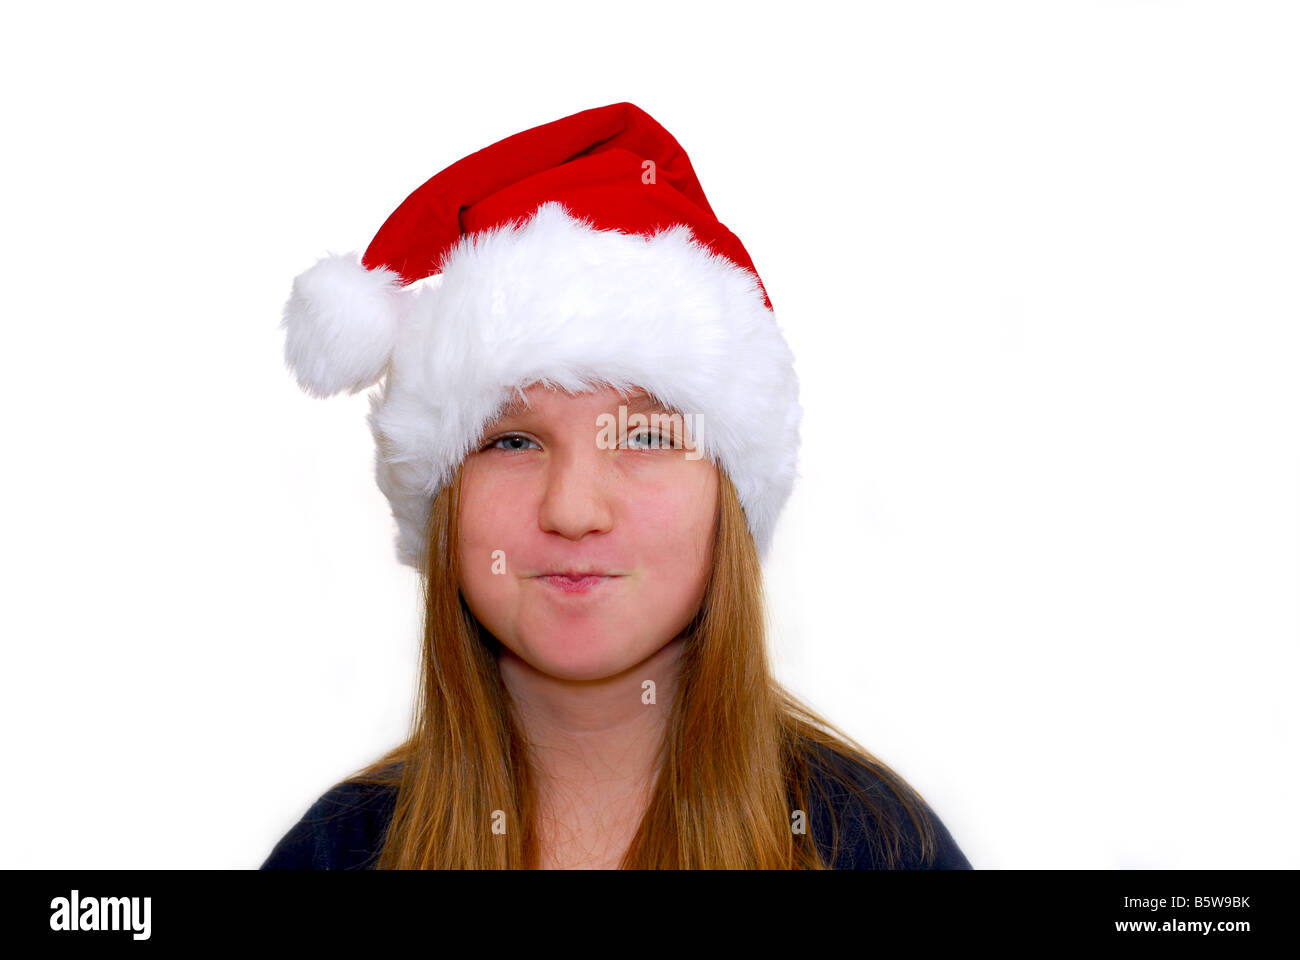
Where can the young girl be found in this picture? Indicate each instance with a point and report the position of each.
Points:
(588, 426)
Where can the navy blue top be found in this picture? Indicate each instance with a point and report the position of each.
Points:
(344, 829)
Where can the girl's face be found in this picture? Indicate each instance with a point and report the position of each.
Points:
(551, 490)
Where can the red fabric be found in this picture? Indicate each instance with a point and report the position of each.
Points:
(590, 161)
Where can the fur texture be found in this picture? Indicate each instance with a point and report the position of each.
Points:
(553, 300)
(340, 325)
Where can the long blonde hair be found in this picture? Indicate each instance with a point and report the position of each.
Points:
(734, 764)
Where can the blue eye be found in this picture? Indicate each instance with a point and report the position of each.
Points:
(654, 438)
(492, 444)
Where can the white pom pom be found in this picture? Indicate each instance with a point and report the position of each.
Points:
(341, 323)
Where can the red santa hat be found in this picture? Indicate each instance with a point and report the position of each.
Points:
(579, 254)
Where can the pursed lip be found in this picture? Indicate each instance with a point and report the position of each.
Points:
(582, 585)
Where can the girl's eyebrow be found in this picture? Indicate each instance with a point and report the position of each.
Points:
(642, 403)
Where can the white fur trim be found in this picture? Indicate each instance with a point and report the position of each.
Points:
(340, 324)
(554, 299)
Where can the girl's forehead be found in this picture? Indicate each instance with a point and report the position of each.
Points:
(538, 399)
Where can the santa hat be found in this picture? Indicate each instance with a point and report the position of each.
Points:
(578, 254)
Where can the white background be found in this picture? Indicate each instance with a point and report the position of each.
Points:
(1038, 264)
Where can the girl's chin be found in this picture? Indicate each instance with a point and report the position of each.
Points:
(578, 658)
